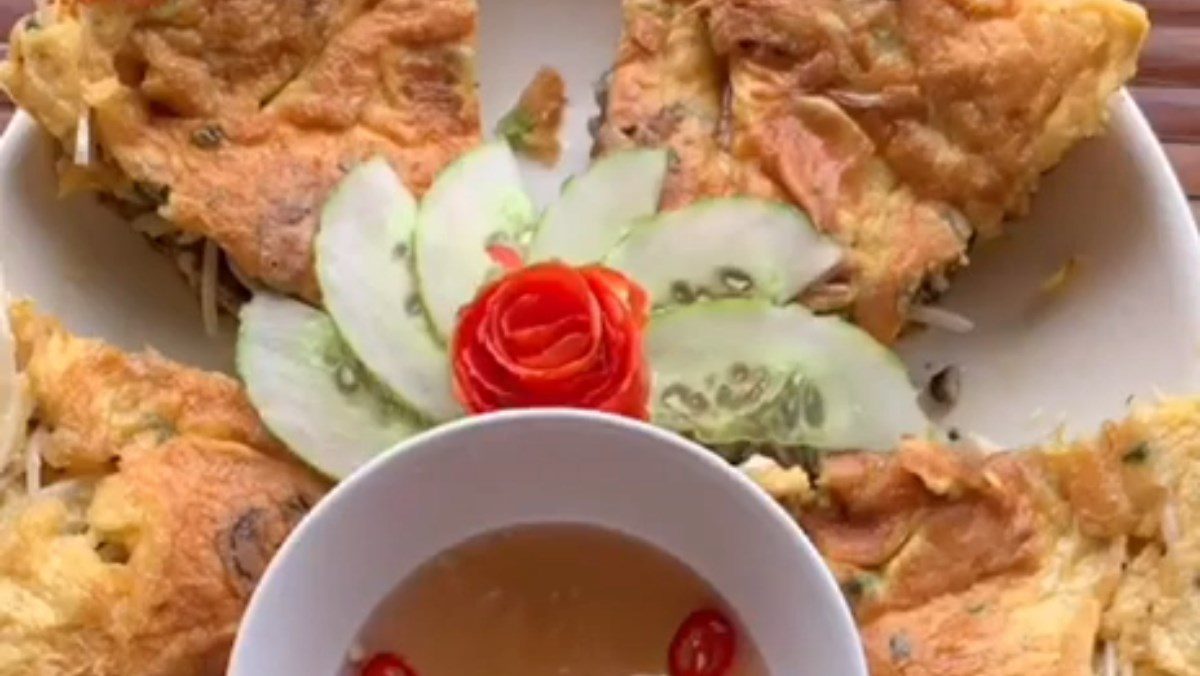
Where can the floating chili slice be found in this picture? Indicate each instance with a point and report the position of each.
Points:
(704, 645)
(386, 664)
(506, 257)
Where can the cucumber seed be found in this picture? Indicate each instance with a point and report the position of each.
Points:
(697, 402)
(412, 306)
(345, 378)
(814, 405)
(739, 372)
(675, 397)
(682, 293)
(737, 281)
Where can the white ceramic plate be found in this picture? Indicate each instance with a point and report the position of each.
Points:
(1129, 324)
(1127, 327)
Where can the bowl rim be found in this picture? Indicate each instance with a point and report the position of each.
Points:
(840, 617)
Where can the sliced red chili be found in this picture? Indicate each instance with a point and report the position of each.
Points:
(704, 645)
(506, 257)
(387, 664)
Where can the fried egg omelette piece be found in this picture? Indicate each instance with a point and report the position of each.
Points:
(903, 127)
(233, 119)
(1070, 559)
(962, 564)
(136, 553)
(667, 90)
(96, 402)
(1154, 619)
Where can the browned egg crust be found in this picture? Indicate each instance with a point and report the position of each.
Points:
(234, 118)
(1023, 563)
(164, 500)
(903, 127)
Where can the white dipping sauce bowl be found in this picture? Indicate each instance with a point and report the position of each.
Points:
(544, 466)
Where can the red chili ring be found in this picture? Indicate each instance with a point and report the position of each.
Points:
(704, 645)
(386, 664)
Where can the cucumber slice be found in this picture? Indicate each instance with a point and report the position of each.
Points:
(474, 203)
(599, 206)
(311, 391)
(728, 247)
(364, 266)
(739, 370)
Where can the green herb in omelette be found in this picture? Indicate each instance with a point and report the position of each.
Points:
(1138, 455)
(532, 126)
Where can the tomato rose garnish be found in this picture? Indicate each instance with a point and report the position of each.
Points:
(554, 335)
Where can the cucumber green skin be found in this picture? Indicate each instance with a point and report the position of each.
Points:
(738, 370)
(597, 208)
(478, 200)
(737, 247)
(289, 356)
(364, 265)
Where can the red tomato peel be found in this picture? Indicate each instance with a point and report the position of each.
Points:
(553, 335)
(505, 256)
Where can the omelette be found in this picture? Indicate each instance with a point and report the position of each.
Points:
(532, 126)
(232, 119)
(146, 503)
(1070, 559)
(904, 128)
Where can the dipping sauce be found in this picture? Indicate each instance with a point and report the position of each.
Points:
(557, 600)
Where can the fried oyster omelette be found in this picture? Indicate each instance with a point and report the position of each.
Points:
(1066, 560)
(905, 128)
(149, 503)
(232, 119)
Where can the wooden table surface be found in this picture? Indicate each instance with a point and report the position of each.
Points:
(1167, 86)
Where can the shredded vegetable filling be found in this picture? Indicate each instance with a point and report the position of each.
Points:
(208, 287)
